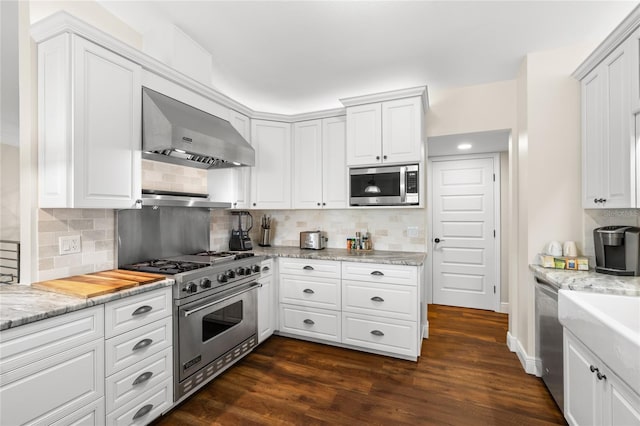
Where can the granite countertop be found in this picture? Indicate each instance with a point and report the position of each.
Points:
(589, 281)
(376, 256)
(23, 304)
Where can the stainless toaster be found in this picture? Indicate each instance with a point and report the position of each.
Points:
(314, 240)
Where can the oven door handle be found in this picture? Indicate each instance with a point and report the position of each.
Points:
(215, 302)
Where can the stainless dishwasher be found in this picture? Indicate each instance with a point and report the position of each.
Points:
(549, 345)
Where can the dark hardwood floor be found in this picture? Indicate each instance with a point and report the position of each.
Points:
(465, 376)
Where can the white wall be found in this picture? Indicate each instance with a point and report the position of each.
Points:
(549, 167)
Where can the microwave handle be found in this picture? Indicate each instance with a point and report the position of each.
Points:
(403, 184)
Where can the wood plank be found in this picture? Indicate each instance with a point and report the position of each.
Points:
(83, 290)
(127, 275)
(466, 375)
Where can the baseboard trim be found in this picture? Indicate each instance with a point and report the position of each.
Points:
(504, 307)
(425, 330)
(530, 364)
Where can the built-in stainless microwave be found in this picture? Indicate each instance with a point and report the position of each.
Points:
(384, 186)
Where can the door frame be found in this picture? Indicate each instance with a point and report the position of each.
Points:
(495, 156)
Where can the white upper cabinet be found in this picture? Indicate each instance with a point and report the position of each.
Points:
(608, 141)
(386, 128)
(271, 176)
(364, 134)
(319, 168)
(233, 184)
(634, 51)
(89, 117)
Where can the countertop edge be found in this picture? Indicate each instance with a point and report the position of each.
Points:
(69, 304)
(342, 255)
(590, 281)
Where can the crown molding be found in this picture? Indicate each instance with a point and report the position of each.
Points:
(613, 40)
(389, 96)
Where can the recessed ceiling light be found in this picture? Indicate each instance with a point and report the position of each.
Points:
(464, 146)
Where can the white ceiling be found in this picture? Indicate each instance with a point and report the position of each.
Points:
(299, 56)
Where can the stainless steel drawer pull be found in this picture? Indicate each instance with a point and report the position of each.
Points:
(308, 321)
(378, 273)
(142, 310)
(377, 299)
(142, 378)
(265, 269)
(377, 333)
(142, 344)
(143, 411)
(308, 268)
(308, 291)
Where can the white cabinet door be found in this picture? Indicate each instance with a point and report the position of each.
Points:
(622, 405)
(364, 134)
(634, 51)
(609, 163)
(334, 163)
(307, 165)
(402, 122)
(271, 176)
(582, 390)
(266, 308)
(232, 185)
(100, 127)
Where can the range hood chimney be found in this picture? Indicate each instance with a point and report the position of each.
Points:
(174, 132)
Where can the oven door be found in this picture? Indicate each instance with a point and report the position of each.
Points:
(376, 186)
(210, 327)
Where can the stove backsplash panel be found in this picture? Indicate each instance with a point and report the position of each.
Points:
(149, 233)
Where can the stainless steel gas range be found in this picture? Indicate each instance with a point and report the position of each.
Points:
(214, 298)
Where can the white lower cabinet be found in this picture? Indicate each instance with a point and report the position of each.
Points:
(138, 358)
(267, 305)
(367, 306)
(53, 368)
(593, 394)
(89, 415)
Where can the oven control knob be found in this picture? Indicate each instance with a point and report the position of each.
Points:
(248, 271)
(205, 283)
(256, 268)
(222, 278)
(230, 274)
(240, 271)
(191, 288)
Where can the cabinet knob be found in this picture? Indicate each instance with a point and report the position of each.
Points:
(324, 204)
(593, 368)
(377, 157)
(308, 322)
(254, 204)
(308, 291)
(384, 157)
(601, 376)
(318, 203)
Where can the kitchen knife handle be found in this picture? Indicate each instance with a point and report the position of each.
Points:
(377, 273)
(377, 299)
(377, 333)
(308, 321)
(143, 411)
(308, 268)
(308, 291)
(142, 378)
(142, 310)
(142, 344)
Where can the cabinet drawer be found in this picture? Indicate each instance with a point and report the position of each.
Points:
(145, 408)
(380, 273)
(29, 343)
(89, 415)
(128, 348)
(47, 390)
(309, 267)
(389, 335)
(310, 322)
(321, 293)
(127, 384)
(266, 267)
(126, 314)
(387, 300)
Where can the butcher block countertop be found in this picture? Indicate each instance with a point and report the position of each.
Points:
(24, 304)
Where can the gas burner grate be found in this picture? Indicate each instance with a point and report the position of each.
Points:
(164, 266)
(233, 255)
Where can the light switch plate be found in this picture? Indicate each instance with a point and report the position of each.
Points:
(69, 244)
(412, 231)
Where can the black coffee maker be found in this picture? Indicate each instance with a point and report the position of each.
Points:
(240, 240)
(617, 250)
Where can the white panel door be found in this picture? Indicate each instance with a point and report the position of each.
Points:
(307, 165)
(271, 176)
(464, 258)
(592, 139)
(364, 134)
(402, 131)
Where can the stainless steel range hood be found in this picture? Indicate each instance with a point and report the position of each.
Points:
(156, 198)
(174, 132)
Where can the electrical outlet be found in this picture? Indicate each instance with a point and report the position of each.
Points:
(412, 231)
(69, 244)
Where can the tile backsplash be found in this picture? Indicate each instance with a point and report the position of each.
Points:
(173, 177)
(96, 228)
(388, 227)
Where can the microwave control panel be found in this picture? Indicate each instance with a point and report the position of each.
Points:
(412, 182)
